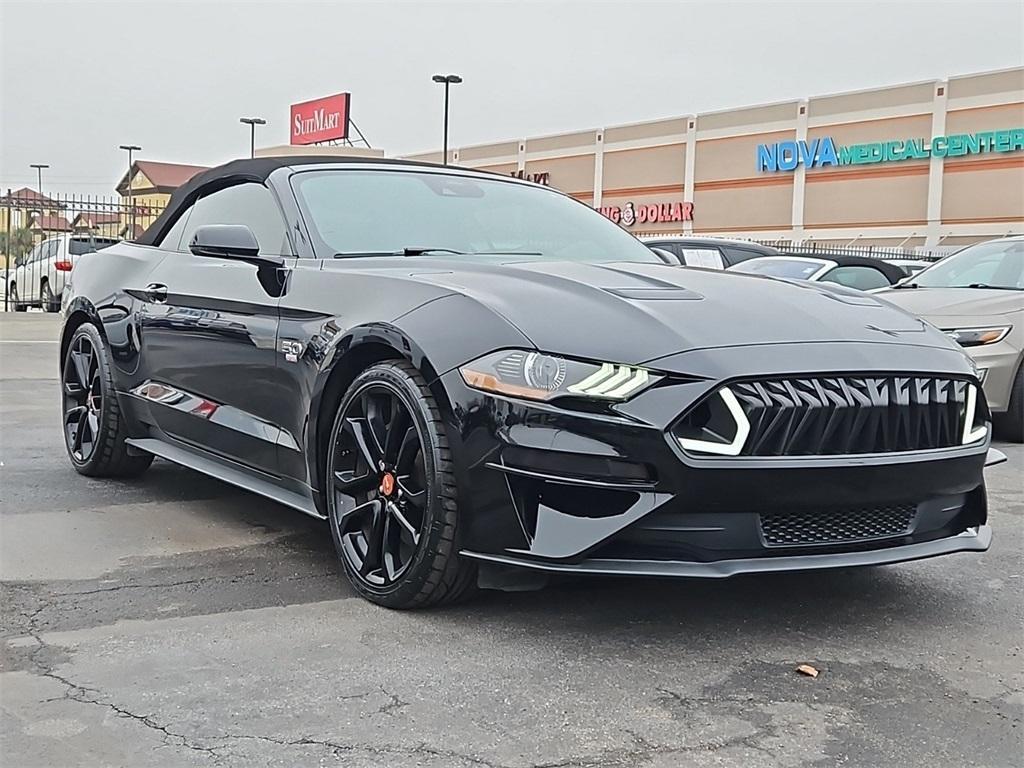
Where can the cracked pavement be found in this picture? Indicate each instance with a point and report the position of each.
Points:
(176, 621)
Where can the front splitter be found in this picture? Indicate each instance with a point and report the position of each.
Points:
(975, 539)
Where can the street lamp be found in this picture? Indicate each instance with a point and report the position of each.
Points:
(448, 80)
(252, 122)
(130, 148)
(39, 173)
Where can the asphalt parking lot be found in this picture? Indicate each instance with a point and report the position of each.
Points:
(176, 621)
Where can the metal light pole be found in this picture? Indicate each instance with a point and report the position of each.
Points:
(130, 148)
(39, 173)
(252, 122)
(448, 80)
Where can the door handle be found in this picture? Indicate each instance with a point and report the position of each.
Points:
(156, 292)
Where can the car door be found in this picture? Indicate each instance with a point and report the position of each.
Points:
(209, 332)
(34, 269)
(20, 274)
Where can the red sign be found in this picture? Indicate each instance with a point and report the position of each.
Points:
(319, 120)
(648, 213)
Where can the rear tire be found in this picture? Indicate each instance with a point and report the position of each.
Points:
(46, 300)
(93, 426)
(391, 492)
(18, 306)
(1010, 425)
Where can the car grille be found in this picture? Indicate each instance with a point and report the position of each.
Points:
(835, 526)
(827, 416)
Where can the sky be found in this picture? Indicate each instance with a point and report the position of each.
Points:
(78, 79)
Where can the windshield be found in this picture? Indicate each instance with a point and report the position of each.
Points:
(794, 269)
(997, 264)
(77, 246)
(379, 212)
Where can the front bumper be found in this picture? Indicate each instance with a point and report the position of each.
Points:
(555, 489)
(997, 364)
(975, 539)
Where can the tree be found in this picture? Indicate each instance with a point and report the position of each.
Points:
(15, 244)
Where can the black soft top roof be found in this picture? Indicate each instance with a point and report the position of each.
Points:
(887, 268)
(248, 170)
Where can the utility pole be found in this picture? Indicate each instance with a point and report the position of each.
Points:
(130, 148)
(448, 80)
(252, 122)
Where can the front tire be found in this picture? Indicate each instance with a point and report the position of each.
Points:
(94, 428)
(391, 492)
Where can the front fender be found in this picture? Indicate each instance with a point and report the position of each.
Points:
(435, 338)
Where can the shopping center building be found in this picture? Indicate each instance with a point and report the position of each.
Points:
(934, 164)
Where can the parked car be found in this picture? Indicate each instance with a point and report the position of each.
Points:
(912, 266)
(40, 278)
(709, 252)
(977, 297)
(858, 272)
(477, 380)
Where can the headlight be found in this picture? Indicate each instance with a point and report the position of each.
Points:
(976, 337)
(537, 376)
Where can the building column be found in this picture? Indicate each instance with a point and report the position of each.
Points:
(799, 177)
(689, 168)
(598, 168)
(935, 167)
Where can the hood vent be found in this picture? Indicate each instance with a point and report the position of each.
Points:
(655, 294)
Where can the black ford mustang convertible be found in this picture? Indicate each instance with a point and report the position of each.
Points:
(478, 380)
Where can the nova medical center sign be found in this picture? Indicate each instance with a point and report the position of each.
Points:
(823, 152)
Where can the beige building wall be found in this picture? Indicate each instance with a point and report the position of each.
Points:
(709, 160)
(627, 169)
(744, 209)
(573, 174)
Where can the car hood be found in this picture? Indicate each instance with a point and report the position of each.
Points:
(638, 312)
(954, 302)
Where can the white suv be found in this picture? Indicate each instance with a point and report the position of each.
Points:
(39, 280)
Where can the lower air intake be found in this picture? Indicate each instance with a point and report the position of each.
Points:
(836, 526)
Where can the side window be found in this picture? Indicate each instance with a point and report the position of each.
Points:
(171, 241)
(738, 255)
(862, 278)
(711, 258)
(249, 204)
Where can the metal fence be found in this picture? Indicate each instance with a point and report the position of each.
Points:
(888, 253)
(42, 236)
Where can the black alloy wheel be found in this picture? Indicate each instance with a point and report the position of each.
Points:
(391, 492)
(83, 399)
(94, 430)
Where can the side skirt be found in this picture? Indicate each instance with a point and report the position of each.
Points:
(223, 471)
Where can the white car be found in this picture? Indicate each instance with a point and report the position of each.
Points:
(39, 280)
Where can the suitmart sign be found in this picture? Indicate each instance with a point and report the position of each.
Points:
(824, 152)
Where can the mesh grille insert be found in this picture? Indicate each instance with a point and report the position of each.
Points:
(835, 526)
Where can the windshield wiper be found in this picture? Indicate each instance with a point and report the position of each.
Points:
(986, 286)
(507, 253)
(363, 254)
(907, 285)
(426, 251)
(423, 251)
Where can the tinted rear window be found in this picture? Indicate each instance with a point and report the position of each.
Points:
(78, 246)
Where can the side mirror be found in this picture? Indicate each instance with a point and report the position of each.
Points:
(225, 241)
